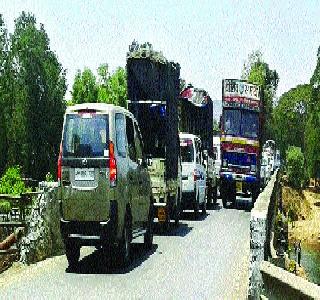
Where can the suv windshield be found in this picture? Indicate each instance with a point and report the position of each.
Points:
(85, 135)
(187, 151)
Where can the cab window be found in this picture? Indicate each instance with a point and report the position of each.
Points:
(131, 139)
(120, 135)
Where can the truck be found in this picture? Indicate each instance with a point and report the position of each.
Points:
(153, 91)
(241, 133)
(196, 117)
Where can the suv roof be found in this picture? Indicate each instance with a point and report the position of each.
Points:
(101, 107)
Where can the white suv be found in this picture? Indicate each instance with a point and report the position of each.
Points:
(193, 174)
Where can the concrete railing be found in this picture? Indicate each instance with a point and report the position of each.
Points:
(261, 224)
(281, 284)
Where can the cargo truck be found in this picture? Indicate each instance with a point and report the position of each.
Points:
(153, 91)
(241, 125)
(196, 117)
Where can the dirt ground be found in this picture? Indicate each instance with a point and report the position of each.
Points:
(307, 227)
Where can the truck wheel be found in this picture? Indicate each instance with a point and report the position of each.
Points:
(148, 236)
(204, 208)
(125, 244)
(196, 208)
(72, 253)
(214, 195)
(224, 200)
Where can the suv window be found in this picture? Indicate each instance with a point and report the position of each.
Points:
(85, 135)
(120, 135)
(139, 144)
(198, 152)
(130, 139)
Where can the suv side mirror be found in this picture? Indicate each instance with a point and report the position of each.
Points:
(149, 160)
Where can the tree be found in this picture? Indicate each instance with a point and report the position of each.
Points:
(85, 89)
(313, 121)
(290, 118)
(38, 105)
(295, 167)
(256, 71)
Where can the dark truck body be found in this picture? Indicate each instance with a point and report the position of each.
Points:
(240, 140)
(196, 117)
(153, 91)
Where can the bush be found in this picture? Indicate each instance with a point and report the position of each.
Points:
(295, 167)
(11, 182)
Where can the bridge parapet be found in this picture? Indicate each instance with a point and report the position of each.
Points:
(261, 224)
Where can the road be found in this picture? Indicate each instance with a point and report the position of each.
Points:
(203, 259)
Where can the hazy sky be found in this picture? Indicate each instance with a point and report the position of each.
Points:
(210, 39)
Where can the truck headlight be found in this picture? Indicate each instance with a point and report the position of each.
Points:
(253, 168)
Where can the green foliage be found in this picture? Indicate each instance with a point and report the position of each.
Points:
(5, 207)
(32, 88)
(312, 124)
(11, 182)
(295, 167)
(106, 89)
(256, 71)
(292, 266)
(290, 118)
(85, 89)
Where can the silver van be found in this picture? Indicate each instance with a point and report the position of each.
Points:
(105, 190)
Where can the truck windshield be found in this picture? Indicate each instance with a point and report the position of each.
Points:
(241, 122)
(232, 122)
(85, 135)
(187, 151)
(249, 124)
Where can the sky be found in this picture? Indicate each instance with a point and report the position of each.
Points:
(210, 40)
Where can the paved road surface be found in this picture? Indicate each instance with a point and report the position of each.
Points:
(205, 259)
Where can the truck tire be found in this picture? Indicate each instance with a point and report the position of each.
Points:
(125, 244)
(72, 253)
(204, 208)
(214, 195)
(148, 236)
(196, 208)
(224, 194)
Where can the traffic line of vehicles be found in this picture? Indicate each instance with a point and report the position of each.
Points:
(120, 170)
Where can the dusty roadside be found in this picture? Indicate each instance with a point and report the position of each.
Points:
(307, 228)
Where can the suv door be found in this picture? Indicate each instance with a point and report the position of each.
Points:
(133, 172)
(201, 169)
(144, 179)
(85, 174)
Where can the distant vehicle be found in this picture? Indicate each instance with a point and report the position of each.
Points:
(217, 152)
(196, 117)
(153, 90)
(277, 159)
(193, 174)
(104, 182)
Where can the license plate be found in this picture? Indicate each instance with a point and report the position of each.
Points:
(161, 214)
(84, 174)
(239, 186)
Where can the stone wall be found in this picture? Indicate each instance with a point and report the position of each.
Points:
(260, 225)
(42, 237)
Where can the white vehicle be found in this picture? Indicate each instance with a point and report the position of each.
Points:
(193, 174)
(216, 150)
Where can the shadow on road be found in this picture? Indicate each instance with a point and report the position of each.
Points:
(182, 230)
(100, 263)
(189, 216)
(213, 206)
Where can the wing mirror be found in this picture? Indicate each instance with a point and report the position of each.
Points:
(149, 160)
